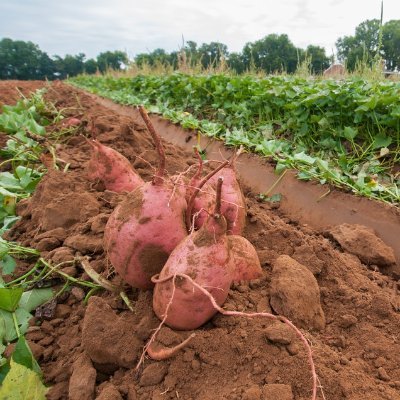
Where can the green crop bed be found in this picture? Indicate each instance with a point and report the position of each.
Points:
(346, 133)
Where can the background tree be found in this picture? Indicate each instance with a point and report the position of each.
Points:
(391, 44)
(90, 66)
(273, 53)
(24, 60)
(319, 61)
(362, 47)
(112, 60)
(69, 65)
(212, 53)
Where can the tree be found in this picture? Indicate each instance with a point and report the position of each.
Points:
(112, 59)
(70, 65)
(24, 60)
(273, 53)
(319, 60)
(212, 53)
(236, 62)
(391, 44)
(362, 47)
(90, 66)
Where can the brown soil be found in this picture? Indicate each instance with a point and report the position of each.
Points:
(348, 306)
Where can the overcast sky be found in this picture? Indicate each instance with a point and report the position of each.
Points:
(92, 26)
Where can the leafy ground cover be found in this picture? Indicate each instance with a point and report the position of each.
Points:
(27, 129)
(346, 133)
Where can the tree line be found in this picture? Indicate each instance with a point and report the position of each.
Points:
(271, 54)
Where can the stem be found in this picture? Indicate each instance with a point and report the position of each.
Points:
(68, 277)
(103, 282)
(275, 183)
(90, 293)
(200, 168)
(197, 190)
(16, 324)
(22, 277)
(217, 210)
(158, 177)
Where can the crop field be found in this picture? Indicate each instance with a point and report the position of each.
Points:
(344, 132)
(129, 272)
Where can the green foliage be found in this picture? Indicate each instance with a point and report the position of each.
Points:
(274, 53)
(112, 60)
(329, 130)
(365, 45)
(24, 60)
(22, 383)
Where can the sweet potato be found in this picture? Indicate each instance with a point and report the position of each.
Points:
(145, 228)
(233, 206)
(112, 168)
(246, 262)
(203, 255)
(200, 206)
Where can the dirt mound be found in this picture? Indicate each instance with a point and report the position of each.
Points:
(349, 310)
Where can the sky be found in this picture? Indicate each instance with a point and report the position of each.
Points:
(93, 26)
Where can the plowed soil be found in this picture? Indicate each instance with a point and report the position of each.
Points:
(339, 285)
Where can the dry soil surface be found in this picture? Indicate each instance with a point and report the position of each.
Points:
(337, 285)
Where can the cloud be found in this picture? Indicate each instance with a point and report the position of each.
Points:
(93, 26)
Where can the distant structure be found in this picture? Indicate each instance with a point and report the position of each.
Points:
(335, 70)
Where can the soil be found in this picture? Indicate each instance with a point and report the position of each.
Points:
(346, 302)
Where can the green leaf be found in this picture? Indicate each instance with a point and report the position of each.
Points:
(10, 334)
(23, 318)
(381, 140)
(22, 383)
(303, 157)
(9, 298)
(349, 133)
(4, 369)
(7, 266)
(9, 181)
(22, 354)
(34, 298)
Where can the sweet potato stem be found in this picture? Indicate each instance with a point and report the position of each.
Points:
(200, 168)
(155, 279)
(197, 190)
(217, 210)
(159, 175)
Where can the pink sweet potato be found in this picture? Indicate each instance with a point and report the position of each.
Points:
(112, 168)
(246, 262)
(233, 203)
(204, 256)
(203, 202)
(145, 228)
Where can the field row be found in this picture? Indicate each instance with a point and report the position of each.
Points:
(345, 132)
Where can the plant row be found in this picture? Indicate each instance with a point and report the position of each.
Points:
(343, 132)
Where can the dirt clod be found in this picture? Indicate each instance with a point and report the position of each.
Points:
(153, 374)
(108, 338)
(83, 379)
(295, 294)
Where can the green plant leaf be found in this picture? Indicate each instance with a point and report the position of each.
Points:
(304, 158)
(9, 298)
(34, 298)
(9, 334)
(4, 369)
(22, 383)
(349, 133)
(7, 266)
(22, 354)
(23, 318)
(381, 140)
